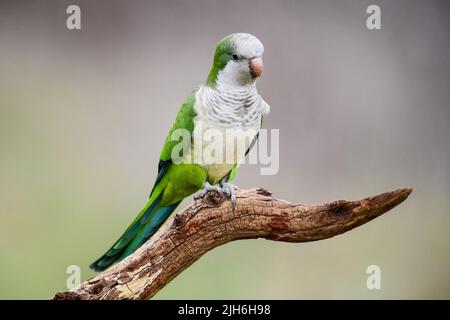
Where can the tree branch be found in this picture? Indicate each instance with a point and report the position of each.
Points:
(211, 222)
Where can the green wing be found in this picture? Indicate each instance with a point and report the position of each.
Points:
(155, 212)
(184, 120)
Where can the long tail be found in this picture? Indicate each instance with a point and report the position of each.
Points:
(143, 227)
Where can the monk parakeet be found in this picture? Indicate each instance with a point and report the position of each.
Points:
(227, 102)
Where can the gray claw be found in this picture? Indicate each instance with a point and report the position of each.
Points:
(208, 187)
(230, 192)
(225, 188)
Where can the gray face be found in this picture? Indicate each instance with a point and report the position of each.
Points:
(245, 63)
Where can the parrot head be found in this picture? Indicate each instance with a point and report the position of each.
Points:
(237, 61)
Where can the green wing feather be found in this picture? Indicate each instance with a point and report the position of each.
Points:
(184, 120)
(153, 215)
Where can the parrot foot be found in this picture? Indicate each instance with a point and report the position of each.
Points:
(230, 191)
(207, 188)
(226, 189)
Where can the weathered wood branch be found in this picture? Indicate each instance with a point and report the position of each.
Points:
(211, 222)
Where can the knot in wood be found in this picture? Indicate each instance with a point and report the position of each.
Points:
(215, 198)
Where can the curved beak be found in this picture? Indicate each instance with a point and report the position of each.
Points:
(256, 67)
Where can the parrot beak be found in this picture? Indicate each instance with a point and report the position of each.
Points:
(256, 67)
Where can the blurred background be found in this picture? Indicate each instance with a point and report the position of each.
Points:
(83, 115)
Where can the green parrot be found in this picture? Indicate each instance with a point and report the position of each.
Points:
(227, 102)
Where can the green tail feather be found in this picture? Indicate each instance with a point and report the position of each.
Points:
(142, 228)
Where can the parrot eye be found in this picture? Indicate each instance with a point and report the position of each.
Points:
(235, 57)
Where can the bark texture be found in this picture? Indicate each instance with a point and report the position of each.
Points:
(211, 222)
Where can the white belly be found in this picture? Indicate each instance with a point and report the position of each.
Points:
(225, 125)
(218, 150)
